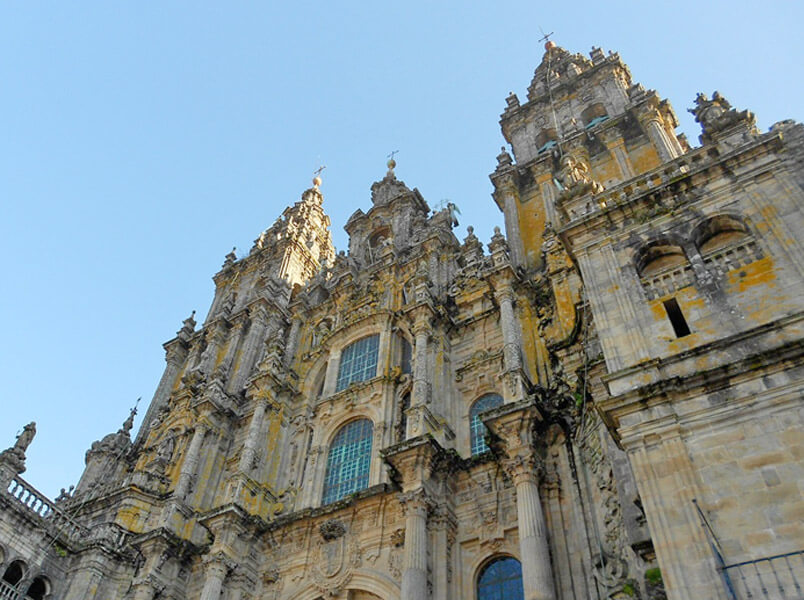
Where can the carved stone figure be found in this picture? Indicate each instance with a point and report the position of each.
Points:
(575, 177)
(717, 115)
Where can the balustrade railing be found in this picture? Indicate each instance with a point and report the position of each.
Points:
(7, 591)
(774, 577)
(39, 504)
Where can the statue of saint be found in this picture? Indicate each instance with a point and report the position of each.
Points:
(25, 438)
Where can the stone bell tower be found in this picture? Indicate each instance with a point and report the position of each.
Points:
(585, 126)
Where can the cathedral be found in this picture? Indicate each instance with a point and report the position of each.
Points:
(603, 401)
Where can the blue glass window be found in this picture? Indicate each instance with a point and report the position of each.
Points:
(358, 362)
(476, 427)
(596, 120)
(348, 461)
(501, 580)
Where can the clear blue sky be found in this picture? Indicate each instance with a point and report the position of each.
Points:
(142, 140)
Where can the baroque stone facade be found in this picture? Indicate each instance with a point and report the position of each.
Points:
(607, 403)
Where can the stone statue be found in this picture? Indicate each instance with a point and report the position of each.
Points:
(25, 438)
(165, 451)
(576, 178)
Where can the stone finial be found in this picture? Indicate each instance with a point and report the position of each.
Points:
(503, 159)
(498, 245)
(188, 327)
(230, 258)
(719, 119)
(512, 101)
(128, 424)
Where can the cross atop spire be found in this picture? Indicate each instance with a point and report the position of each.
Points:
(317, 176)
(548, 43)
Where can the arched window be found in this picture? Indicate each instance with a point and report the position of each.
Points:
(476, 427)
(14, 572)
(38, 589)
(658, 256)
(501, 579)
(348, 461)
(358, 362)
(718, 232)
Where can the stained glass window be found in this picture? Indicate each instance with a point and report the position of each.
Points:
(501, 580)
(348, 461)
(477, 429)
(358, 362)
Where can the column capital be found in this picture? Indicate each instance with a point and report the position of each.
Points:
(218, 564)
(524, 465)
(416, 502)
(514, 426)
(413, 460)
(504, 290)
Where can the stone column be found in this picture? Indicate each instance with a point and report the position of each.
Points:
(513, 424)
(506, 196)
(537, 574)
(215, 573)
(143, 590)
(413, 462)
(252, 343)
(444, 524)
(252, 437)
(414, 576)
(512, 358)
(421, 384)
(235, 333)
(190, 464)
(215, 338)
(293, 340)
(658, 136)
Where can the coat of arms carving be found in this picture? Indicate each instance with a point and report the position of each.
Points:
(334, 557)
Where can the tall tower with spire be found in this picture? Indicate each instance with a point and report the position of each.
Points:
(586, 126)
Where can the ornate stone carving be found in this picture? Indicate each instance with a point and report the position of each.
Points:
(334, 559)
(331, 529)
(15, 456)
(576, 178)
(717, 115)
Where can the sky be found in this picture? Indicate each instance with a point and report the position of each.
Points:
(141, 141)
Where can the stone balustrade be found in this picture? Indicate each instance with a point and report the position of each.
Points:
(39, 504)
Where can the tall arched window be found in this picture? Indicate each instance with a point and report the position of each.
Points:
(348, 461)
(501, 579)
(476, 427)
(358, 362)
(38, 589)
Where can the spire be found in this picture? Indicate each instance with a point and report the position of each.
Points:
(389, 188)
(129, 422)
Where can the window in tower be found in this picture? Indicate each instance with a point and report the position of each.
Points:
(676, 317)
(407, 353)
(594, 114)
(501, 579)
(358, 362)
(546, 139)
(476, 427)
(348, 461)
(38, 589)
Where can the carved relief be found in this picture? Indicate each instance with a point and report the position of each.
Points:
(334, 557)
